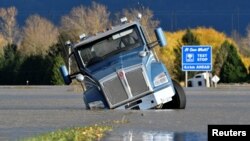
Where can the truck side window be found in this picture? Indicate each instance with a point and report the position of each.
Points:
(190, 84)
(198, 76)
(86, 55)
(199, 83)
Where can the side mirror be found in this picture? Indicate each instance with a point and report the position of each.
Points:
(65, 74)
(160, 37)
(80, 78)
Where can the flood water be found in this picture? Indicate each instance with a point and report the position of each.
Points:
(155, 136)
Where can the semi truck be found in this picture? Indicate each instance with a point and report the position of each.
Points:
(120, 70)
(200, 80)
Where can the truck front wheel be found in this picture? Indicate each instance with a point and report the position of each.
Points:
(178, 100)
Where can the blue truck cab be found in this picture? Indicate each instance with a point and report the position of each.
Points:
(119, 70)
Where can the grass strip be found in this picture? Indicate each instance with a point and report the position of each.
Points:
(89, 133)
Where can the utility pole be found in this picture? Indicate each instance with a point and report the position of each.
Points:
(69, 61)
(69, 45)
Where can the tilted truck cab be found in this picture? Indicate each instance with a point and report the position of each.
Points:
(120, 71)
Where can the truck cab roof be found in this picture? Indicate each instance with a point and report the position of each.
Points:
(104, 34)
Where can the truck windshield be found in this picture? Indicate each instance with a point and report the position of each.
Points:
(112, 44)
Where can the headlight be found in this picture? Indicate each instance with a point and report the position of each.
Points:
(160, 79)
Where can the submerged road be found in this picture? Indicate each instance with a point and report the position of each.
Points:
(28, 111)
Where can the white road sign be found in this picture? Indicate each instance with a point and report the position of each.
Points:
(215, 79)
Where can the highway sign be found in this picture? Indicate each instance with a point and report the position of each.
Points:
(215, 79)
(196, 58)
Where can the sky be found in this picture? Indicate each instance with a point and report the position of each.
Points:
(223, 15)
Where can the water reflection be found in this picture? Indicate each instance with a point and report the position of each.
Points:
(156, 136)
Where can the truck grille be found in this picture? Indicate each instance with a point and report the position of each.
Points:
(115, 90)
(137, 82)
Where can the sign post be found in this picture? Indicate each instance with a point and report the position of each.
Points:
(186, 78)
(197, 58)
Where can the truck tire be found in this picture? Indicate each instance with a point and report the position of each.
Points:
(178, 100)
